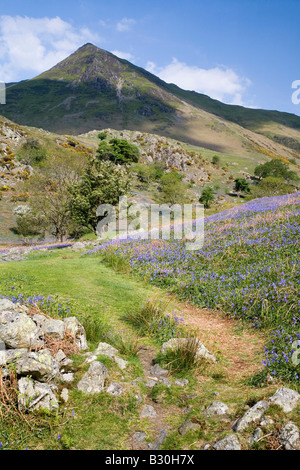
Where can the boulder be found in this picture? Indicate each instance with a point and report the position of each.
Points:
(115, 389)
(75, 328)
(187, 426)
(93, 381)
(148, 412)
(289, 437)
(17, 330)
(34, 395)
(39, 365)
(228, 443)
(286, 398)
(216, 410)
(255, 413)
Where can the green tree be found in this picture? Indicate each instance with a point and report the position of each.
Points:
(215, 160)
(103, 182)
(172, 189)
(276, 168)
(118, 151)
(49, 197)
(271, 186)
(207, 197)
(241, 186)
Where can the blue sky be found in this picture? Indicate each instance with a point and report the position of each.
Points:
(238, 51)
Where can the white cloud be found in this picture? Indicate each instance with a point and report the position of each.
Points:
(125, 24)
(123, 55)
(220, 83)
(29, 46)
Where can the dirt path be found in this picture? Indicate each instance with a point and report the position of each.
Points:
(240, 350)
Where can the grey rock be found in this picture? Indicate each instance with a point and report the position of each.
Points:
(148, 412)
(93, 381)
(139, 436)
(78, 246)
(121, 363)
(39, 365)
(216, 410)
(34, 395)
(6, 304)
(115, 389)
(160, 440)
(67, 378)
(286, 398)
(11, 355)
(165, 381)
(17, 330)
(65, 395)
(151, 383)
(266, 421)
(176, 343)
(158, 371)
(76, 329)
(228, 443)
(54, 328)
(289, 437)
(181, 382)
(252, 415)
(187, 426)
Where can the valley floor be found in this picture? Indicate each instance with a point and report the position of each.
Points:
(106, 422)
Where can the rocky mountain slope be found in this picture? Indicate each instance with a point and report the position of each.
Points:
(93, 89)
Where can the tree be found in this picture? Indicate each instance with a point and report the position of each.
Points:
(207, 197)
(50, 198)
(103, 182)
(172, 189)
(276, 168)
(271, 186)
(215, 160)
(241, 186)
(118, 151)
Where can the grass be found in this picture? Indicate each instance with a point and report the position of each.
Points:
(84, 286)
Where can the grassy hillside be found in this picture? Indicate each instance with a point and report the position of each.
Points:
(93, 89)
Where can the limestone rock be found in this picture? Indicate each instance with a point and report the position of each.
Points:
(228, 443)
(217, 410)
(286, 398)
(34, 395)
(93, 381)
(73, 326)
(289, 436)
(255, 413)
(39, 365)
(17, 330)
(187, 426)
(148, 412)
(115, 389)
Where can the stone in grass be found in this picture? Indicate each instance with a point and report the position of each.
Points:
(139, 436)
(115, 389)
(228, 443)
(158, 371)
(181, 382)
(148, 412)
(34, 395)
(255, 413)
(160, 440)
(93, 381)
(216, 410)
(289, 437)
(286, 398)
(187, 426)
